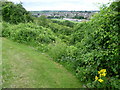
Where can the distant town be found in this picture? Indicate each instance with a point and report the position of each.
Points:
(66, 15)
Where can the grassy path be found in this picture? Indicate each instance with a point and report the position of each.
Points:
(25, 68)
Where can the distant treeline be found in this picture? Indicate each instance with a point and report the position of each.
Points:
(62, 11)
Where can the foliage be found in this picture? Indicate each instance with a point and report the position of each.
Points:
(99, 47)
(64, 23)
(79, 32)
(78, 17)
(59, 29)
(28, 33)
(57, 50)
(42, 21)
(14, 13)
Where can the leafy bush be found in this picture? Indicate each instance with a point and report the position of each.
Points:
(28, 33)
(79, 32)
(14, 13)
(99, 47)
(66, 55)
(64, 23)
(59, 29)
(57, 50)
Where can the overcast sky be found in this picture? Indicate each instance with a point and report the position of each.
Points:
(37, 5)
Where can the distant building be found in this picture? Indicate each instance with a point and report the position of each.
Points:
(65, 14)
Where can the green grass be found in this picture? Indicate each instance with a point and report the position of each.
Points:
(23, 67)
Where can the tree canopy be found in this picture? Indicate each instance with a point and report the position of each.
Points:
(14, 13)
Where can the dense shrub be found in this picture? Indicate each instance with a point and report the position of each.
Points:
(55, 27)
(28, 33)
(64, 23)
(79, 32)
(59, 29)
(14, 13)
(42, 21)
(99, 48)
(57, 50)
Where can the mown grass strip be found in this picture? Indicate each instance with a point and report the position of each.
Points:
(25, 68)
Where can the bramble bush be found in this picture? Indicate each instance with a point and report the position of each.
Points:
(64, 23)
(28, 33)
(99, 48)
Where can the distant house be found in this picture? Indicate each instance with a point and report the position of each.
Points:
(66, 14)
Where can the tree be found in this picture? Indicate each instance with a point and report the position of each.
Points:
(43, 21)
(14, 13)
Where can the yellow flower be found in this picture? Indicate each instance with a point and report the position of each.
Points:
(100, 80)
(102, 71)
(96, 78)
(99, 72)
(103, 74)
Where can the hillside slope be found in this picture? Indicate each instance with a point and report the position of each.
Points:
(23, 67)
